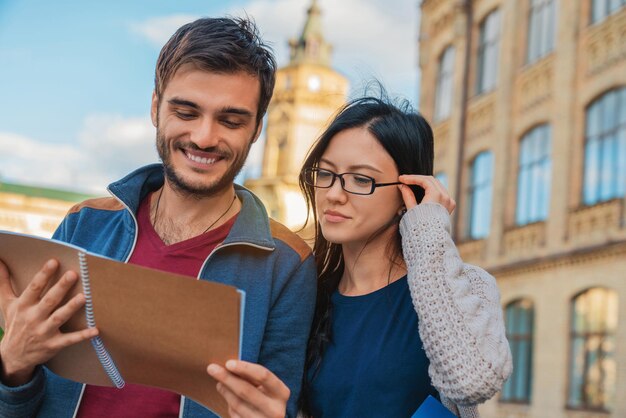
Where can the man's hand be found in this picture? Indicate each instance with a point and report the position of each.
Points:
(250, 389)
(32, 321)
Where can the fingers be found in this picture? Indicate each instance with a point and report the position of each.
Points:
(256, 392)
(53, 297)
(65, 312)
(434, 191)
(6, 291)
(33, 291)
(407, 196)
(71, 338)
(236, 408)
(258, 375)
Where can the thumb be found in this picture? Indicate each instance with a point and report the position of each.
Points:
(407, 196)
(6, 291)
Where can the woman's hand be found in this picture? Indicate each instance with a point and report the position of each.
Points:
(434, 191)
(250, 389)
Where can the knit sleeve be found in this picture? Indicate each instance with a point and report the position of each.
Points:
(460, 317)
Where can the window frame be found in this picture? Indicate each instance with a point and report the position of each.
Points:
(605, 12)
(604, 152)
(514, 338)
(538, 142)
(488, 48)
(575, 335)
(541, 29)
(445, 74)
(477, 186)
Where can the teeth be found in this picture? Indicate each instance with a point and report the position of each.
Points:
(200, 160)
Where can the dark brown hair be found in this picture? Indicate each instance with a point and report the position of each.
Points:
(221, 45)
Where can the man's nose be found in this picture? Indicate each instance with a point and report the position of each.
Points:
(205, 134)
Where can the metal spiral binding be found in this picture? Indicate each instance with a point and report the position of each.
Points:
(103, 355)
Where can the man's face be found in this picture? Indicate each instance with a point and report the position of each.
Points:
(206, 124)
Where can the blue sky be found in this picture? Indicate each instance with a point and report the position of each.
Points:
(76, 76)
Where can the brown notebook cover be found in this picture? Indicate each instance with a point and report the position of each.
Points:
(160, 329)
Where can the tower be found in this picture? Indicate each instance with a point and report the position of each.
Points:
(308, 92)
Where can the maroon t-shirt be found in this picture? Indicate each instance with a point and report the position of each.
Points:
(185, 257)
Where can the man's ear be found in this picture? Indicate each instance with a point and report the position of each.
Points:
(154, 108)
(258, 131)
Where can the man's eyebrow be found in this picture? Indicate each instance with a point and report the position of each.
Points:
(181, 102)
(175, 101)
(237, 111)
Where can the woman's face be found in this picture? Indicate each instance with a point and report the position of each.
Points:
(347, 218)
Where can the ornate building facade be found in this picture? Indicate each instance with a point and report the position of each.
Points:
(34, 210)
(308, 92)
(527, 100)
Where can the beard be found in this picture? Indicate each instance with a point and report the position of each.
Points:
(196, 189)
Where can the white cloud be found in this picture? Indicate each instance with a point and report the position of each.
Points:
(114, 146)
(371, 38)
(158, 30)
(109, 147)
(28, 161)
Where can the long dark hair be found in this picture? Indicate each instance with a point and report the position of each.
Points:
(408, 139)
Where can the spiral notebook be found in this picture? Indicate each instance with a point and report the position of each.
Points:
(156, 328)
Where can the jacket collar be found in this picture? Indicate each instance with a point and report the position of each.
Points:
(251, 226)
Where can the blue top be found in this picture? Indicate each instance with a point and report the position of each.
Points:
(375, 365)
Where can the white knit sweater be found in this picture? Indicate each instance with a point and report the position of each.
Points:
(460, 317)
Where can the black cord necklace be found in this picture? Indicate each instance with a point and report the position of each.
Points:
(156, 211)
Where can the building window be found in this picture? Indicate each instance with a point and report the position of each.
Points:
(533, 182)
(601, 9)
(541, 29)
(445, 85)
(488, 46)
(519, 332)
(593, 368)
(443, 178)
(605, 148)
(480, 195)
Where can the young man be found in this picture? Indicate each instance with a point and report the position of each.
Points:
(214, 81)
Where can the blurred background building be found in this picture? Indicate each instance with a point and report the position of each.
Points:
(308, 92)
(34, 210)
(528, 104)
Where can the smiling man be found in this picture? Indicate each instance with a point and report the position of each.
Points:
(214, 80)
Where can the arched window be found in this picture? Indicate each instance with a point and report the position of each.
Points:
(488, 51)
(519, 331)
(541, 28)
(534, 176)
(592, 368)
(605, 148)
(445, 85)
(480, 195)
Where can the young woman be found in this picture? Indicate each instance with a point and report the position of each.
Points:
(384, 252)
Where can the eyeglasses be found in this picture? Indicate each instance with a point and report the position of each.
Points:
(354, 183)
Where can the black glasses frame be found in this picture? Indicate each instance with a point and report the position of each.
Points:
(309, 173)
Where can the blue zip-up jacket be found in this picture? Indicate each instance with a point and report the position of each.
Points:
(270, 263)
